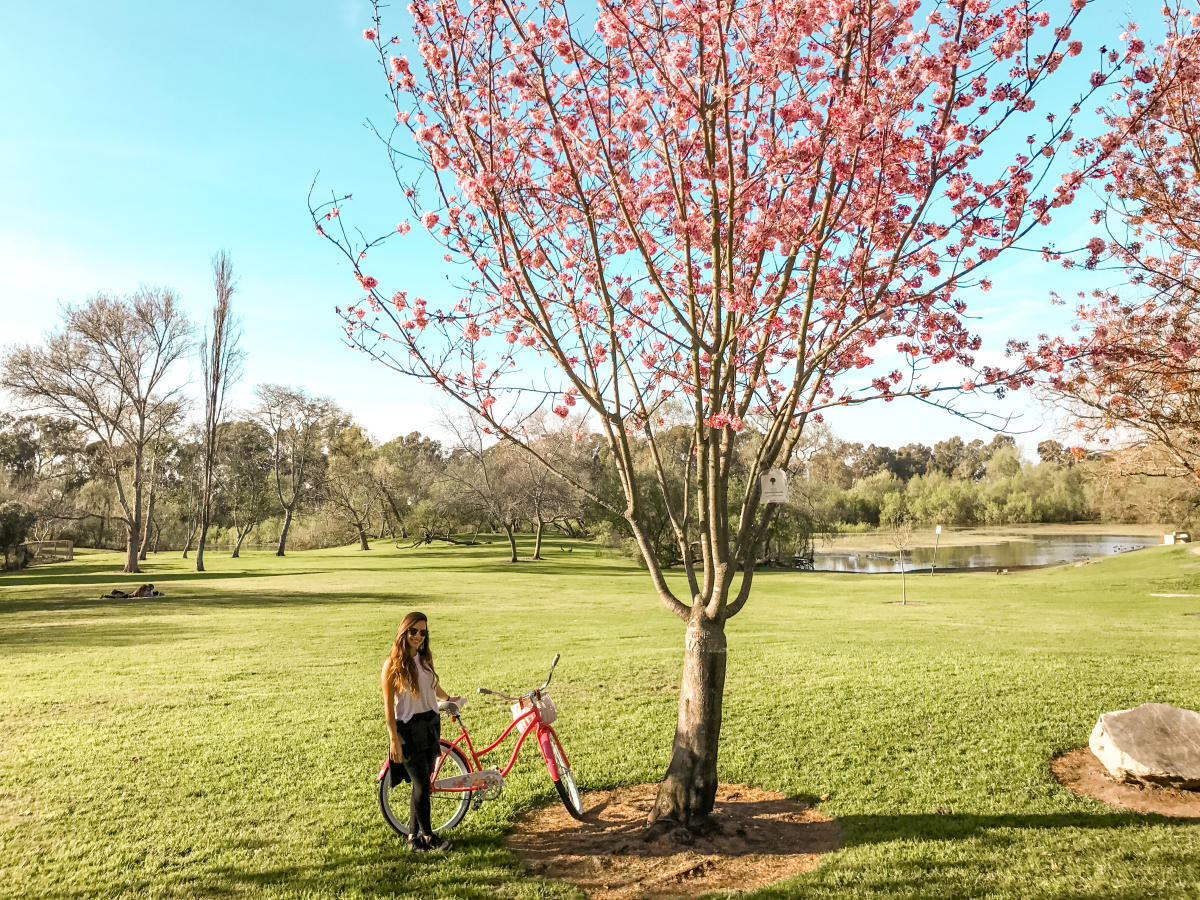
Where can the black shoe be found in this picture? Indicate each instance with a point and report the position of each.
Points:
(433, 842)
(418, 843)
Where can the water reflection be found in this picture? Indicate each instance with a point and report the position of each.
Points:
(1039, 550)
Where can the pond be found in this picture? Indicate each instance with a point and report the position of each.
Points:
(1036, 550)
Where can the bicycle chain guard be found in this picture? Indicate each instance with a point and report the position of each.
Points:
(486, 780)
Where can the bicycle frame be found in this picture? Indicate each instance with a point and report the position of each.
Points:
(542, 732)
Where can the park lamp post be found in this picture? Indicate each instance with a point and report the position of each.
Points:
(937, 536)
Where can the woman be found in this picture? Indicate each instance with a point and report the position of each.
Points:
(411, 691)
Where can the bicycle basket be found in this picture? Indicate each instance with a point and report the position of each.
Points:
(545, 708)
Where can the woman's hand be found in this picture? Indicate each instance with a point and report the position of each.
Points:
(396, 751)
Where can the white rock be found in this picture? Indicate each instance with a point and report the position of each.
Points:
(1153, 743)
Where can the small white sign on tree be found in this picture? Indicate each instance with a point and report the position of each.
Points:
(773, 484)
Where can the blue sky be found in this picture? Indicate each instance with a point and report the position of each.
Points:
(139, 138)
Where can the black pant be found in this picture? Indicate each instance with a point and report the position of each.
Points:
(420, 735)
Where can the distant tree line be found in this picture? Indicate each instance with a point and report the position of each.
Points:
(107, 455)
(295, 470)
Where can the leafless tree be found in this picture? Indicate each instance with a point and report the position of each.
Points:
(167, 417)
(484, 480)
(106, 368)
(351, 491)
(298, 424)
(546, 496)
(898, 521)
(244, 472)
(221, 364)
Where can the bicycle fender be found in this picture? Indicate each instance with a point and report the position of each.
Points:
(545, 741)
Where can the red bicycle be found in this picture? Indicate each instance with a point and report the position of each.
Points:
(459, 779)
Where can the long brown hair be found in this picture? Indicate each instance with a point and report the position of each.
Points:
(401, 669)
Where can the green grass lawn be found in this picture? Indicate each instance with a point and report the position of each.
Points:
(224, 740)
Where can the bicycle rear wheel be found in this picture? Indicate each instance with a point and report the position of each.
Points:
(568, 790)
(446, 808)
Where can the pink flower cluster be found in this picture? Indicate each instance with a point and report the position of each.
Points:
(725, 420)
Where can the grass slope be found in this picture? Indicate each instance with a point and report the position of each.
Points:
(223, 740)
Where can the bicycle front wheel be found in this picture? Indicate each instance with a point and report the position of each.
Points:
(568, 790)
(446, 808)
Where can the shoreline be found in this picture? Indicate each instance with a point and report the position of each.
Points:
(880, 540)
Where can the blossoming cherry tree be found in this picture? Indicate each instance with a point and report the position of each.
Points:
(755, 209)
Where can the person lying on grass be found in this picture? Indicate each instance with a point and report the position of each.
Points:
(146, 590)
(411, 690)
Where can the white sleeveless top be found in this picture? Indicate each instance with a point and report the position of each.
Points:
(406, 705)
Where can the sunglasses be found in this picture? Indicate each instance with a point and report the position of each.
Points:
(413, 632)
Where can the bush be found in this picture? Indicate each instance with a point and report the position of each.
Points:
(15, 522)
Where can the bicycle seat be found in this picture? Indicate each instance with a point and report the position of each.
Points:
(451, 707)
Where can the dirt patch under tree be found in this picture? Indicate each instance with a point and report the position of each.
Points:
(762, 836)
(1081, 772)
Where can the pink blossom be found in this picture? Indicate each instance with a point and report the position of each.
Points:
(404, 227)
(561, 411)
(1182, 350)
(369, 34)
(429, 218)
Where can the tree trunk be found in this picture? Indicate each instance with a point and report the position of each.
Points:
(241, 536)
(512, 541)
(687, 792)
(200, 544)
(133, 543)
(362, 539)
(133, 547)
(537, 539)
(151, 495)
(283, 532)
(187, 547)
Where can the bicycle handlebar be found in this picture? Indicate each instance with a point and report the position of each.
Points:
(553, 663)
(545, 685)
(496, 694)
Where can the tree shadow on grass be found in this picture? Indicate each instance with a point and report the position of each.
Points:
(73, 599)
(475, 870)
(499, 565)
(103, 575)
(155, 620)
(859, 830)
(876, 829)
(480, 868)
(916, 872)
